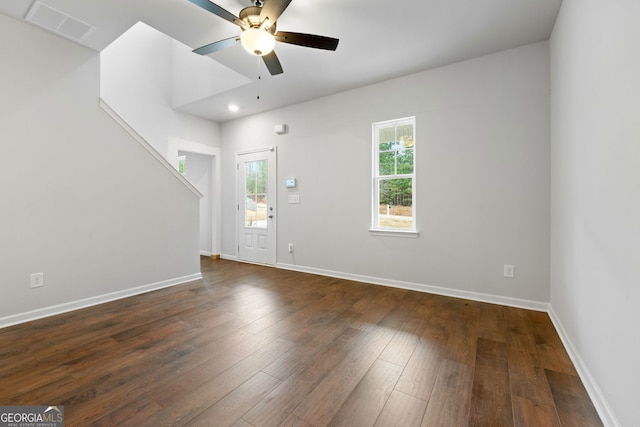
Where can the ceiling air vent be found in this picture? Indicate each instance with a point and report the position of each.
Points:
(58, 22)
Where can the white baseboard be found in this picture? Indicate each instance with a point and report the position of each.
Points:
(456, 293)
(229, 257)
(607, 416)
(87, 302)
(205, 253)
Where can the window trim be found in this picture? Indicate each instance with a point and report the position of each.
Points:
(375, 196)
(391, 232)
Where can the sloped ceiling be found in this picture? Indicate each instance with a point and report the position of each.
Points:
(379, 40)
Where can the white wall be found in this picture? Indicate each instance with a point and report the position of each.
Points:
(483, 177)
(137, 82)
(595, 193)
(81, 200)
(195, 77)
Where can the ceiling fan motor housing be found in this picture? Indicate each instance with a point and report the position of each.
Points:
(251, 15)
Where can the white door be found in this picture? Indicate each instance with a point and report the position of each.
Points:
(257, 206)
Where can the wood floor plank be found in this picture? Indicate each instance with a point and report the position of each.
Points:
(405, 304)
(527, 377)
(134, 373)
(381, 307)
(463, 338)
(128, 414)
(253, 346)
(437, 331)
(550, 348)
(364, 404)
(321, 405)
(494, 326)
(401, 410)
(223, 363)
(572, 401)
(529, 413)
(191, 402)
(451, 397)
(405, 341)
(230, 408)
(280, 404)
(491, 397)
(294, 421)
(241, 423)
(303, 354)
(100, 396)
(290, 326)
(420, 374)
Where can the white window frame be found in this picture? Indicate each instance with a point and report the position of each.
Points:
(376, 178)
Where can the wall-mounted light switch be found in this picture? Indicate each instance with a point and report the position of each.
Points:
(508, 271)
(37, 280)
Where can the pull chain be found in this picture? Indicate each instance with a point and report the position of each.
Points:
(259, 77)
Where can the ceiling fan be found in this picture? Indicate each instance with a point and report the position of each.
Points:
(258, 37)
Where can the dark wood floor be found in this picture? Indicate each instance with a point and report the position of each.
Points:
(258, 346)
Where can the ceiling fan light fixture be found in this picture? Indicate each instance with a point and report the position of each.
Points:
(257, 42)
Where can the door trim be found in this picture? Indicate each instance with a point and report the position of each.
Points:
(272, 196)
(256, 150)
(178, 144)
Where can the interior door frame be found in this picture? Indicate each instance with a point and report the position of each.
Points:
(272, 202)
(209, 199)
(175, 145)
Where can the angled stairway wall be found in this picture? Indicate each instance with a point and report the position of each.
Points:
(81, 201)
(142, 76)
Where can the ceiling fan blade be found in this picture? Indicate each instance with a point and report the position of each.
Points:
(216, 46)
(272, 9)
(222, 13)
(273, 63)
(307, 40)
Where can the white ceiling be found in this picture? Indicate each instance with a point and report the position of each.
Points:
(378, 40)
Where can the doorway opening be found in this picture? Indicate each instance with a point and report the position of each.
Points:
(199, 169)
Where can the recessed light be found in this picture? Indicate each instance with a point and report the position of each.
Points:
(233, 107)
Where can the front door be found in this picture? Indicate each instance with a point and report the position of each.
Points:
(257, 206)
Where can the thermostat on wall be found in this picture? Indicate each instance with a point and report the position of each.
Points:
(290, 182)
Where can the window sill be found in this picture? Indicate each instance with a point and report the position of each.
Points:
(394, 233)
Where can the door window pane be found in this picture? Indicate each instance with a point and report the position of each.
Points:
(256, 194)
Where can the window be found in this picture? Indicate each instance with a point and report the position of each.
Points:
(256, 194)
(394, 176)
(182, 163)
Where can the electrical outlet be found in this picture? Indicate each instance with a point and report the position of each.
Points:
(37, 280)
(508, 271)
(290, 247)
